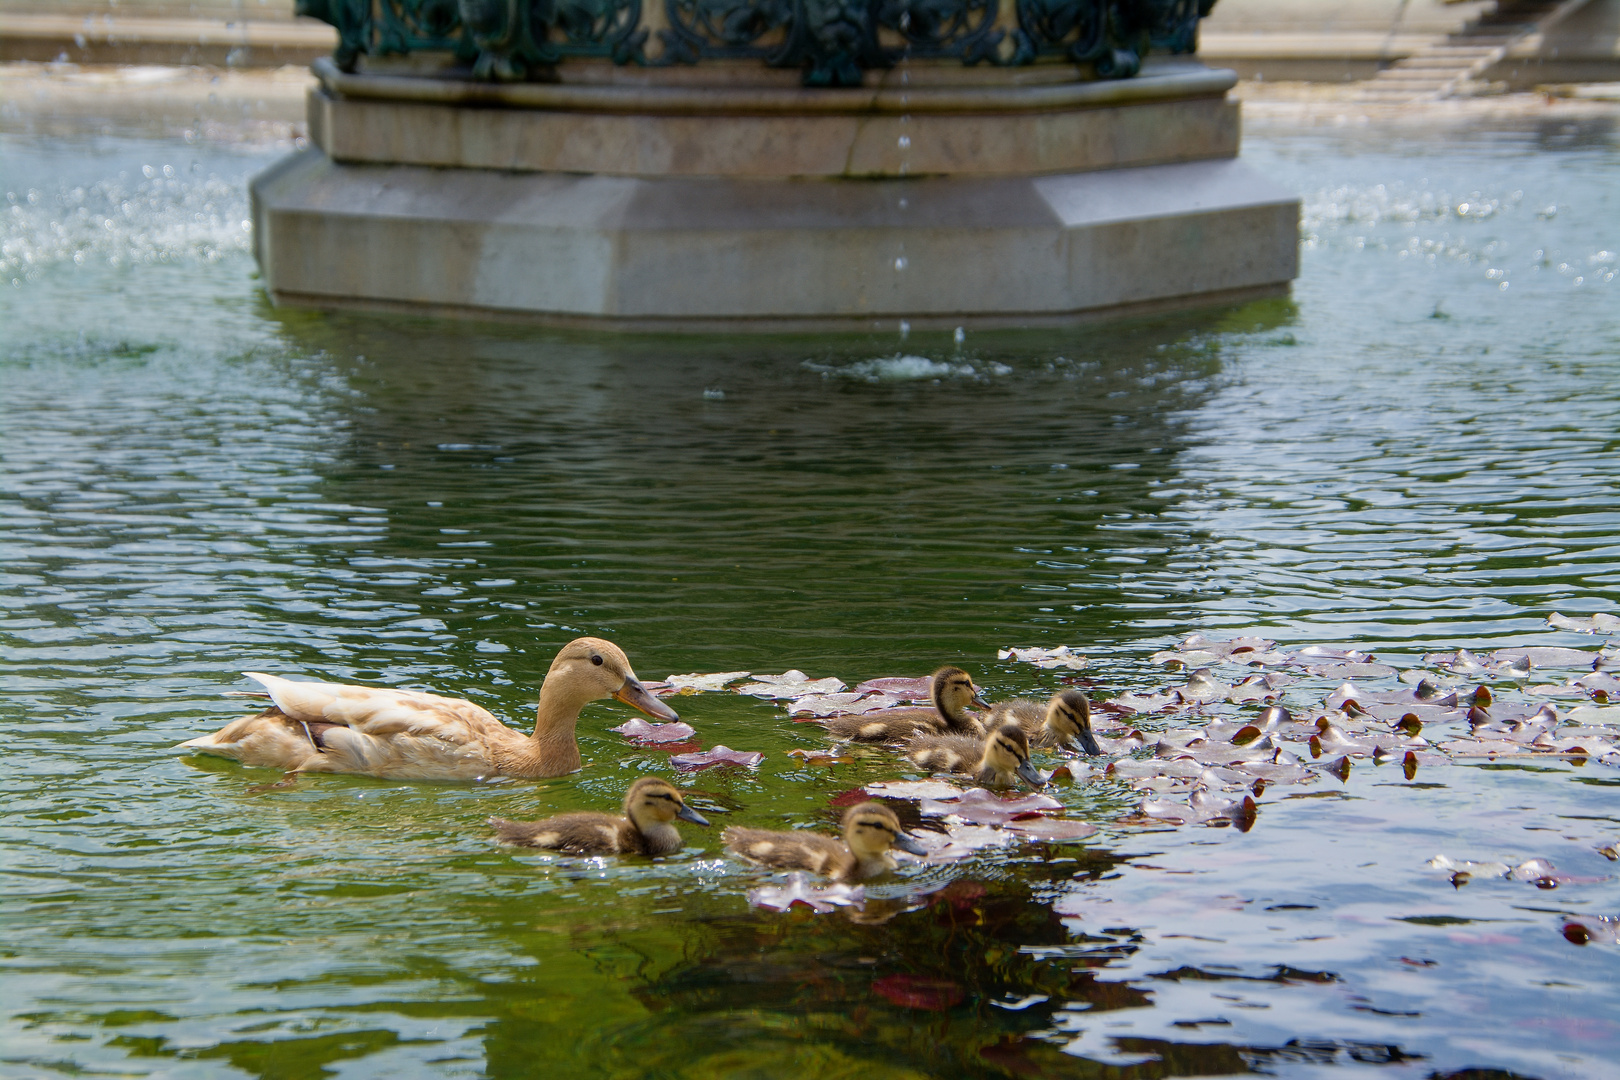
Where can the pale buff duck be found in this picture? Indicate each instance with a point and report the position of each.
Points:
(647, 827)
(407, 735)
(1063, 721)
(996, 760)
(870, 830)
(953, 694)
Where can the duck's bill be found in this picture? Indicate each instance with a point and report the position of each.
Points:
(1088, 742)
(904, 842)
(686, 813)
(978, 699)
(1030, 774)
(633, 694)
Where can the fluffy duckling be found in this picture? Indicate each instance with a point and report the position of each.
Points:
(952, 693)
(647, 827)
(1063, 721)
(405, 735)
(993, 761)
(870, 830)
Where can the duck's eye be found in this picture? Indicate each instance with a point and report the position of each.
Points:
(597, 660)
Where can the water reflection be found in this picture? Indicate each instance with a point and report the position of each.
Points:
(989, 493)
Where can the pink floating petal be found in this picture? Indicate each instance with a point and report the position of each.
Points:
(849, 703)
(983, 807)
(1052, 830)
(720, 755)
(641, 731)
(960, 842)
(903, 689)
(919, 992)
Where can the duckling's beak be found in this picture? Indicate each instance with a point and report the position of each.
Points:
(978, 701)
(904, 842)
(1030, 774)
(1088, 742)
(686, 813)
(633, 694)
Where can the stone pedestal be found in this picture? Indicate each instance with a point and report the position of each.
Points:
(733, 198)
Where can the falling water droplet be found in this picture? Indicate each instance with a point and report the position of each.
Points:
(961, 335)
(904, 202)
(905, 142)
(900, 263)
(905, 328)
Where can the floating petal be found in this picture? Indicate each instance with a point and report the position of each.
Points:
(641, 731)
(713, 681)
(1052, 830)
(913, 789)
(720, 755)
(983, 807)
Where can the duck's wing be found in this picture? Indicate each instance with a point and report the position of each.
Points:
(378, 712)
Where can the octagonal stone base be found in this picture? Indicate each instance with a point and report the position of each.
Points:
(633, 252)
(657, 204)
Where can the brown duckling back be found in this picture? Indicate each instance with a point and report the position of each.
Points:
(647, 827)
(953, 695)
(997, 760)
(870, 830)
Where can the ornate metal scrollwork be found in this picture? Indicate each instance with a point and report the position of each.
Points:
(834, 42)
(352, 18)
(936, 29)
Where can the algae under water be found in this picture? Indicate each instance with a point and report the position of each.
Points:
(1418, 451)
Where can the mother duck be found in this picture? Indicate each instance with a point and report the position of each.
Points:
(407, 735)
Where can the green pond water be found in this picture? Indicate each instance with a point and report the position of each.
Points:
(1419, 450)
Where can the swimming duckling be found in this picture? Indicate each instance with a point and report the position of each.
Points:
(953, 694)
(993, 761)
(1063, 721)
(650, 808)
(406, 735)
(870, 830)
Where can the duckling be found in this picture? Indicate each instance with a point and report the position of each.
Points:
(870, 830)
(993, 761)
(646, 828)
(406, 735)
(1064, 721)
(952, 692)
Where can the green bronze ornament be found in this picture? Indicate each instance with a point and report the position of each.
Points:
(833, 42)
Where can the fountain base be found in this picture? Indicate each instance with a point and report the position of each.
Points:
(1131, 200)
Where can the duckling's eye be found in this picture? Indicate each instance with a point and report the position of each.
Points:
(597, 660)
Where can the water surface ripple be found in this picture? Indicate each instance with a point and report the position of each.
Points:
(1418, 450)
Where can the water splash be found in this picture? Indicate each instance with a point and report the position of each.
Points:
(161, 216)
(905, 367)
